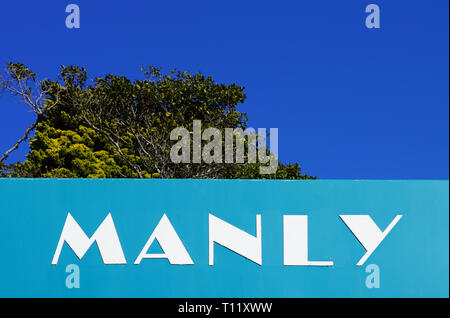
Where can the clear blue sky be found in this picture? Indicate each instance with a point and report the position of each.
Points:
(349, 102)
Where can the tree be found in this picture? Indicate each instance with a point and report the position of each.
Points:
(118, 128)
(21, 82)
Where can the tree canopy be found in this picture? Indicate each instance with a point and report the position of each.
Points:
(113, 127)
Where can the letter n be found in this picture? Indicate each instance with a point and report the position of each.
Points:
(235, 239)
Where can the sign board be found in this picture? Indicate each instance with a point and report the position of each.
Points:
(223, 238)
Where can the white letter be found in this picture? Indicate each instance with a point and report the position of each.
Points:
(105, 236)
(235, 239)
(373, 279)
(73, 279)
(373, 19)
(170, 243)
(240, 144)
(295, 241)
(367, 232)
(73, 19)
(214, 145)
(273, 153)
(184, 144)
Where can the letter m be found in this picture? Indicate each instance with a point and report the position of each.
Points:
(105, 236)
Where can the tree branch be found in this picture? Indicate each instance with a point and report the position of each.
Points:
(16, 145)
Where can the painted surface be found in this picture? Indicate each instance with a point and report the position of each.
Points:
(413, 259)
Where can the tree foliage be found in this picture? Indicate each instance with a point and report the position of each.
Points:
(118, 128)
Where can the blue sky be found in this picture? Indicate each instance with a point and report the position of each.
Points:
(349, 102)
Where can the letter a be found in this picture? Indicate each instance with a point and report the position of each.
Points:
(73, 19)
(171, 244)
(373, 19)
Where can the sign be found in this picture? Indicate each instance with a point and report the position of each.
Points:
(223, 238)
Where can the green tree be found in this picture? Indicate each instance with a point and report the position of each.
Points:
(118, 128)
